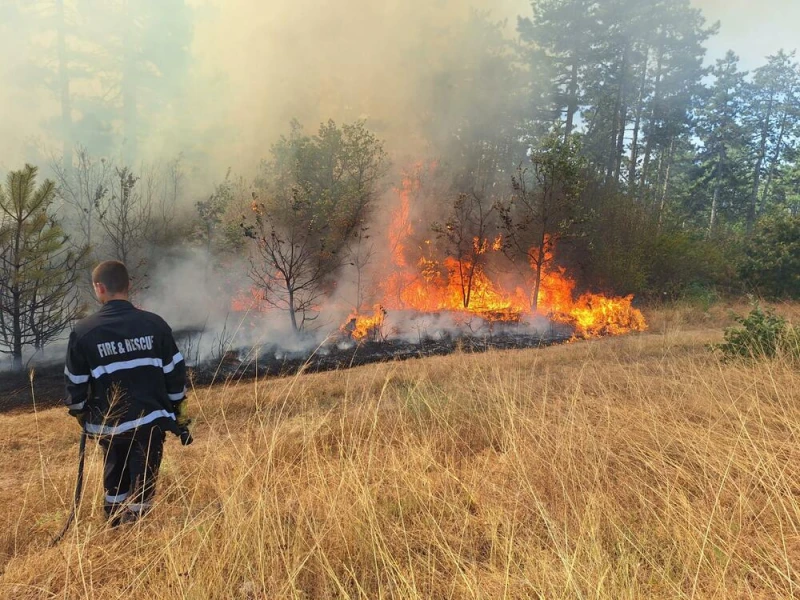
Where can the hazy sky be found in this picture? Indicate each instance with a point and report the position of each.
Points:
(303, 58)
(753, 28)
(255, 64)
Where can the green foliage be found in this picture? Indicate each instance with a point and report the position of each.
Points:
(681, 263)
(39, 268)
(762, 334)
(771, 263)
(214, 228)
(312, 198)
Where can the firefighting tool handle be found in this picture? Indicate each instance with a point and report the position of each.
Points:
(78, 489)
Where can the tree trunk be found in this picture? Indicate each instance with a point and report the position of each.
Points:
(16, 318)
(292, 314)
(622, 115)
(665, 190)
(572, 106)
(637, 125)
(649, 144)
(537, 281)
(15, 276)
(762, 151)
(773, 161)
(536, 284)
(612, 142)
(715, 200)
(129, 108)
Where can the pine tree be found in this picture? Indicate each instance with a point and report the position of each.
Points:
(773, 116)
(559, 44)
(39, 269)
(724, 138)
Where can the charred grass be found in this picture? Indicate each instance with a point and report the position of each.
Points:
(637, 467)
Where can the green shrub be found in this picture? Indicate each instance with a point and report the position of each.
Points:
(762, 334)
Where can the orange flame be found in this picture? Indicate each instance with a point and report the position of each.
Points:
(360, 327)
(418, 279)
(426, 284)
(249, 300)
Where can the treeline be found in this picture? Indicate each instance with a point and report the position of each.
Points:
(595, 138)
(689, 173)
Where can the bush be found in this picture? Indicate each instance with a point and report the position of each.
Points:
(762, 334)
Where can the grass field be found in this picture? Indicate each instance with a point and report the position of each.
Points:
(635, 467)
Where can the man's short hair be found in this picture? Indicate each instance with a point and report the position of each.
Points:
(113, 274)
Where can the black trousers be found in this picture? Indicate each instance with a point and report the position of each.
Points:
(131, 468)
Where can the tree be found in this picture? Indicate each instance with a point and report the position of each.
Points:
(774, 116)
(162, 186)
(210, 212)
(477, 107)
(467, 234)
(625, 73)
(544, 206)
(560, 37)
(724, 137)
(111, 65)
(674, 33)
(140, 61)
(312, 198)
(68, 61)
(772, 259)
(125, 220)
(39, 269)
(360, 251)
(84, 189)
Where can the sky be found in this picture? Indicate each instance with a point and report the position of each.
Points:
(254, 65)
(369, 45)
(754, 29)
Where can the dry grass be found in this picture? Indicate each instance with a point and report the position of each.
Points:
(636, 467)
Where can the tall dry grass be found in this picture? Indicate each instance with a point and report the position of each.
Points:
(636, 467)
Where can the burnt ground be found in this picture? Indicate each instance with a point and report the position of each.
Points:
(18, 391)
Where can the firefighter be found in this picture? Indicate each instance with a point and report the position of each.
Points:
(126, 386)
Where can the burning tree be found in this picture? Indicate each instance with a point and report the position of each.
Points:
(39, 270)
(544, 206)
(467, 235)
(313, 197)
(360, 250)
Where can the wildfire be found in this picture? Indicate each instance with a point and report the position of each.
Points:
(426, 284)
(363, 327)
(416, 277)
(249, 300)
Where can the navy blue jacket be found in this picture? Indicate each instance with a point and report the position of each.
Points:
(124, 370)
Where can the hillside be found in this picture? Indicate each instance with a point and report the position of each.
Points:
(631, 467)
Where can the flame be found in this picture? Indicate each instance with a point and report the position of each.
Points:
(360, 327)
(591, 314)
(417, 277)
(249, 300)
(400, 226)
(427, 284)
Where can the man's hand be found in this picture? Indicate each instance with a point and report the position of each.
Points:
(80, 416)
(186, 436)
